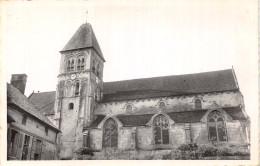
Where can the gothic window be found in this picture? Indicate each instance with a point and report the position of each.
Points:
(68, 65)
(161, 130)
(77, 89)
(82, 64)
(216, 127)
(78, 64)
(128, 109)
(110, 133)
(71, 106)
(162, 105)
(198, 104)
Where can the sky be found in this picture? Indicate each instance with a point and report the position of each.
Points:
(138, 39)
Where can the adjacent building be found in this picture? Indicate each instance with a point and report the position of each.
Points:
(30, 135)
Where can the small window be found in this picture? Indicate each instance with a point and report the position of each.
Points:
(162, 105)
(98, 66)
(68, 65)
(46, 131)
(129, 109)
(94, 66)
(82, 64)
(24, 120)
(71, 106)
(198, 104)
(77, 89)
(72, 65)
(78, 64)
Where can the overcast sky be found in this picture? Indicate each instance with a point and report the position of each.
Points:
(138, 40)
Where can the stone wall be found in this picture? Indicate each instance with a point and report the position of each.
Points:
(173, 104)
(35, 130)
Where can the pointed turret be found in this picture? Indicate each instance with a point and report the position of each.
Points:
(83, 38)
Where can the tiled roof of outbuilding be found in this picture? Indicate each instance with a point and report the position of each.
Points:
(236, 113)
(98, 119)
(134, 120)
(44, 101)
(15, 97)
(187, 116)
(178, 117)
(83, 38)
(214, 81)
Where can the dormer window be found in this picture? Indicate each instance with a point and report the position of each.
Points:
(77, 89)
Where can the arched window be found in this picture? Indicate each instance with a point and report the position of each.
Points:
(129, 109)
(110, 133)
(78, 64)
(216, 127)
(161, 130)
(68, 65)
(82, 64)
(71, 106)
(162, 105)
(77, 89)
(72, 65)
(198, 104)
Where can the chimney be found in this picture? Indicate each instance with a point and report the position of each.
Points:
(19, 81)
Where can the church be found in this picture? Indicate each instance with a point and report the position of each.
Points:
(138, 114)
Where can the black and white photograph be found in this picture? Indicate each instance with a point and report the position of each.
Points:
(129, 80)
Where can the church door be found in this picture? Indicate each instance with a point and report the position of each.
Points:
(161, 130)
(110, 133)
(216, 127)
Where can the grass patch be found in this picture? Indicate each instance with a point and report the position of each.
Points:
(183, 152)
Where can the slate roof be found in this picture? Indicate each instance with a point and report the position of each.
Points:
(83, 38)
(214, 81)
(44, 101)
(134, 120)
(236, 113)
(98, 119)
(187, 116)
(178, 117)
(15, 97)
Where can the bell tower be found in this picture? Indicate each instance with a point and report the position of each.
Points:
(79, 88)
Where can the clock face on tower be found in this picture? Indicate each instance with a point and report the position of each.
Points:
(73, 76)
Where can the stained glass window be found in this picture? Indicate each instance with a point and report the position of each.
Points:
(161, 130)
(110, 133)
(216, 127)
